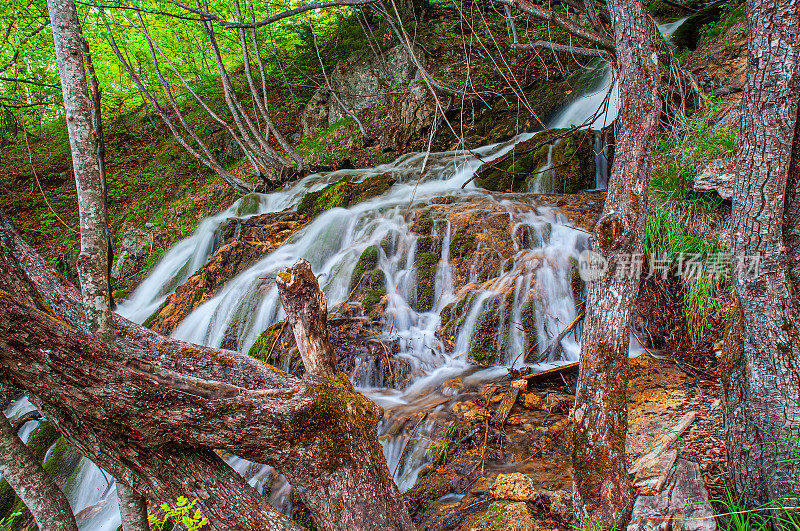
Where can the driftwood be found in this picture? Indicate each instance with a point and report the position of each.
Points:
(509, 398)
(663, 442)
(151, 410)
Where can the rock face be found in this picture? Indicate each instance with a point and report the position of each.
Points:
(360, 82)
(136, 243)
(240, 243)
(719, 176)
(343, 194)
(542, 165)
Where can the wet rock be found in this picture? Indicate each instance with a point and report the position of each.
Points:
(502, 515)
(516, 486)
(242, 244)
(544, 165)
(343, 194)
(533, 401)
(719, 176)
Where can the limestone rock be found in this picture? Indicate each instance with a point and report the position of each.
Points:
(360, 82)
(533, 401)
(136, 243)
(719, 176)
(502, 515)
(516, 487)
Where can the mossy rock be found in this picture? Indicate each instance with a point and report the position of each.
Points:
(426, 280)
(369, 282)
(261, 348)
(366, 262)
(485, 347)
(248, 205)
(343, 194)
(463, 243)
(688, 34)
(572, 166)
(423, 224)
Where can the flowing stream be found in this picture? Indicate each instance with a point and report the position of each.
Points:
(536, 279)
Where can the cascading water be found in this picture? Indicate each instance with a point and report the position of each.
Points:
(533, 285)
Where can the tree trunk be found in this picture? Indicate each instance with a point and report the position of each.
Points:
(93, 258)
(33, 485)
(601, 488)
(761, 363)
(152, 409)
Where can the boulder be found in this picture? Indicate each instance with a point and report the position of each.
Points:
(719, 176)
(544, 164)
(360, 82)
(516, 487)
(135, 243)
(225, 147)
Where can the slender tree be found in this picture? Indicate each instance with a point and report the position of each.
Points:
(33, 485)
(84, 127)
(601, 489)
(761, 376)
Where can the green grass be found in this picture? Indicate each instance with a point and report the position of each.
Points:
(733, 11)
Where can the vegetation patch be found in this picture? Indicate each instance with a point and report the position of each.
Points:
(343, 194)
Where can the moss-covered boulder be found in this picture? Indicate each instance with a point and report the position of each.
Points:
(343, 194)
(368, 283)
(547, 163)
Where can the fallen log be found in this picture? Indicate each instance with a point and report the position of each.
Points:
(152, 410)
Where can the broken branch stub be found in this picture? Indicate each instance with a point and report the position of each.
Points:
(307, 311)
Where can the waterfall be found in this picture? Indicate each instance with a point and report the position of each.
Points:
(520, 307)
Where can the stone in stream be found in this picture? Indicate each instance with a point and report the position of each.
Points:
(239, 244)
(544, 164)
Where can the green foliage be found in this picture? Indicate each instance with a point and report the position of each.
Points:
(181, 513)
(8, 521)
(591, 524)
(441, 447)
(732, 12)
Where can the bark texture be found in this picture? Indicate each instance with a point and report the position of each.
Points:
(307, 311)
(33, 485)
(152, 410)
(762, 354)
(93, 258)
(601, 489)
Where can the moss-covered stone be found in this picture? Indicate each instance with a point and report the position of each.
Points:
(261, 348)
(572, 164)
(366, 262)
(485, 347)
(248, 205)
(463, 243)
(426, 280)
(343, 194)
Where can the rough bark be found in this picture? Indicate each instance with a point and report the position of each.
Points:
(93, 258)
(762, 354)
(307, 312)
(152, 409)
(132, 508)
(601, 485)
(33, 485)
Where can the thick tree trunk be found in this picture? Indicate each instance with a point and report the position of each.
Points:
(33, 485)
(761, 376)
(601, 486)
(151, 410)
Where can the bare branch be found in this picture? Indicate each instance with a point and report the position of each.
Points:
(574, 50)
(274, 18)
(562, 22)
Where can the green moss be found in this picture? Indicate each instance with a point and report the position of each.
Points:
(366, 262)
(463, 243)
(423, 225)
(343, 194)
(248, 205)
(375, 290)
(261, 348)
(426, 280)
(484, 348)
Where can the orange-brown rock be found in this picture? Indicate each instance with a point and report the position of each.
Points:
(243, 243)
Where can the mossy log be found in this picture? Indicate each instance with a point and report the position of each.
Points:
(152, 410)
